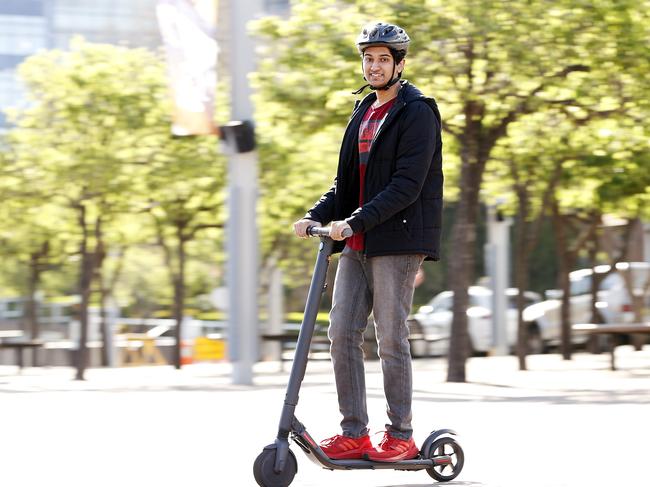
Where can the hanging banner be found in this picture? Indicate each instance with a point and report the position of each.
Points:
(188, 29)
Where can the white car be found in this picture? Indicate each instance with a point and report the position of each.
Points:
(433, 322)
(613, 299)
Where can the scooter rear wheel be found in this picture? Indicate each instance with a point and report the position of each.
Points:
(449, 447)
(265, 475)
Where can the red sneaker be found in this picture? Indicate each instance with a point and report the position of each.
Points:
(341, 447)
(393, 449)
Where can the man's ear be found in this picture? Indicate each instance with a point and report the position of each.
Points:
(400, 65)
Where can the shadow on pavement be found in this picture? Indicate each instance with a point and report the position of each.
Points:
(452, 483)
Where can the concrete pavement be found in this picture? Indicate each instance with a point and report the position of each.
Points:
(561, 423)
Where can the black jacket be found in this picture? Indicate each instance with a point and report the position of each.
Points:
(403, 187)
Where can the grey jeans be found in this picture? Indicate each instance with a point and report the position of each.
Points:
(383, 285)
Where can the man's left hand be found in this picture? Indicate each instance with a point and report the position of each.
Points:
(337, 230)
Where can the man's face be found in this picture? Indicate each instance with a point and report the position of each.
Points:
(378, 65)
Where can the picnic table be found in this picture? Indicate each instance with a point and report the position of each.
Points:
(12, 339)
(612, 332)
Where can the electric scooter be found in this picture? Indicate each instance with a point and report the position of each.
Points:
(441, 455)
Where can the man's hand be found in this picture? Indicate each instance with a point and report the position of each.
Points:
(337, 230)
(301, 226)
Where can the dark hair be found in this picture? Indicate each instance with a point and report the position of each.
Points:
(398, 54)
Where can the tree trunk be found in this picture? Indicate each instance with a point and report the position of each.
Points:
(179, 298)
(594, 341)
(461, 262)
(31, 307)
(106, 290)
(564, 267)
(460, 277)
(85, 281)
(596, 280)
(100, 258)
(521, 275)
(103, 327)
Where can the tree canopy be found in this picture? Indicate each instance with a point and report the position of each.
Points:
(526, 83)
(91, 158)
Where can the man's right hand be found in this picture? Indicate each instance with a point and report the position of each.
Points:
(301, 226)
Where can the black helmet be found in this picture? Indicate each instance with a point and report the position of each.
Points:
(381, 34)
(388, 35)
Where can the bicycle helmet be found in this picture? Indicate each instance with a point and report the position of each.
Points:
(380, 34)
(388, 35)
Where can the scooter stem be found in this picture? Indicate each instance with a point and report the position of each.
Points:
(301, 354)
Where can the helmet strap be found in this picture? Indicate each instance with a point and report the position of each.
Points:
(379, 88)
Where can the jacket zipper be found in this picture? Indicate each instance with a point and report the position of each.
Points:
(389, 118)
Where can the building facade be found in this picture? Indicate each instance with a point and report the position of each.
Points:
(27, 26)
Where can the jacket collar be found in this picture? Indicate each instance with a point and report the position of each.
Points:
(360, 106)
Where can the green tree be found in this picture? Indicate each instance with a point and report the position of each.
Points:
(28, 236)
(96, 136)
(185, 188)
(529, 172)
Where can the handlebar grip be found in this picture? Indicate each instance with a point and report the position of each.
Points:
(325, 232)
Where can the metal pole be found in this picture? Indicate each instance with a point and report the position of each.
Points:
(242, 266)
(241, 227)
(499, 249)
(273, 350)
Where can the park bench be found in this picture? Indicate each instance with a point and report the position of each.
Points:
(320, 342)
(12, 339)
(288, 339)
(612, 332)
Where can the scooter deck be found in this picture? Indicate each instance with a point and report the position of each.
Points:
(316, 455)
(415, 464)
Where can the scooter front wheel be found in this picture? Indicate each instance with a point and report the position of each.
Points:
(266, 476)
(449, 447)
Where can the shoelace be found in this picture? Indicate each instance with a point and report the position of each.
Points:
(384, 439)
(389, 442)
(329, 441)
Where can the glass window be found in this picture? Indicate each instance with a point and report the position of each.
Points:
(21, 7)
(483, 300)
(277, 6)
(127, 22)
(21, 35)
(8, 61)
(442, 302)
(11, 91)
(581, 285)
(611, 281)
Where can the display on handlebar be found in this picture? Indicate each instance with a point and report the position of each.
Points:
(325, 232)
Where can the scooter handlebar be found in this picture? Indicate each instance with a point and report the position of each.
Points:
(325, 232)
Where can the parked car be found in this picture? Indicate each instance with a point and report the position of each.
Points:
(433, 322)
(616, 305)
(613, 301)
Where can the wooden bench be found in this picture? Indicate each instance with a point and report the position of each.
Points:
(10, 334)
(20, 346)
(611, 332)
(288, 341)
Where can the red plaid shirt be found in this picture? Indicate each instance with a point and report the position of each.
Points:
(371, 122)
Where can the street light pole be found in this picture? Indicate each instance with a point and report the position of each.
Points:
(498, 258)
(241, 228)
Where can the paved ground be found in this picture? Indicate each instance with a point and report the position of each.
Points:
(562, 423)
